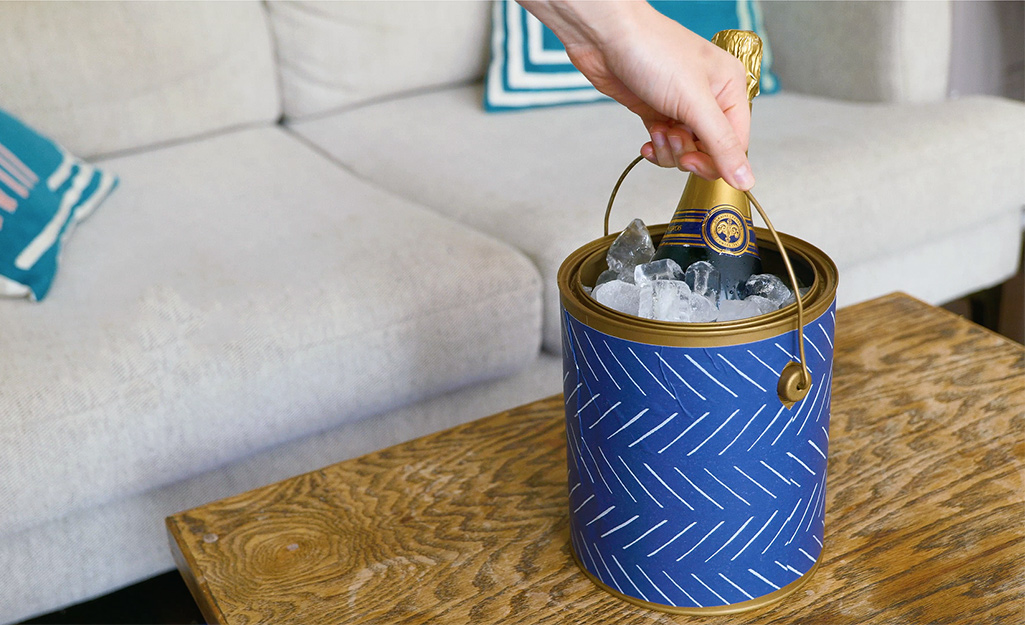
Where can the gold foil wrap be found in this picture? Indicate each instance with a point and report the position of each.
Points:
(746, 46)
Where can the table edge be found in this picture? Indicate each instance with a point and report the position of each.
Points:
(185, 563)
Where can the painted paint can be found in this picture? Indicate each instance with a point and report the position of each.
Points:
(697, 452)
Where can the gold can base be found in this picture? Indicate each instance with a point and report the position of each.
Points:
(744, 606)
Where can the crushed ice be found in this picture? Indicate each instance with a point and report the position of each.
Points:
(664, 291)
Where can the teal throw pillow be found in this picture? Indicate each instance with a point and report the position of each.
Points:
(44, 192)
(529, 67)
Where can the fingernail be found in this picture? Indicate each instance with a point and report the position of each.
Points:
(658, 139)
(690, 168)
(677, 144)
(745, 179)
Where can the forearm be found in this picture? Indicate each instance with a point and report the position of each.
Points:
(589, 22)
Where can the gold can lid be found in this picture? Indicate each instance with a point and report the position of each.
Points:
(746, 46)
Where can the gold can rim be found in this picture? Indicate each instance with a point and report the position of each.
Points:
(581, 306)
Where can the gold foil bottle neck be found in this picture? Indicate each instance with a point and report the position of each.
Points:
(746, 46)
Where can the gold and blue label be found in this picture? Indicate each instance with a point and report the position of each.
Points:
(723, 229)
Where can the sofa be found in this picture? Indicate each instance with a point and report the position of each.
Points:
(322, 245)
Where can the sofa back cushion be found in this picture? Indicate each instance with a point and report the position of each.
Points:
(337, 54)
(105, 77)
(862, 51)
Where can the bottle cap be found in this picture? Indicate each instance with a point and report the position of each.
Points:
(746, 46)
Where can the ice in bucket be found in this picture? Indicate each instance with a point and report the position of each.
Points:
(661, 290)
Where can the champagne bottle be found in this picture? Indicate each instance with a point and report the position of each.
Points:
(712, 221)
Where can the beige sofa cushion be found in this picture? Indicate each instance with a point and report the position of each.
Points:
(101, 77)
(335, 54)
(258, 294)
(75, 557)
(872, 185)
(893, 51)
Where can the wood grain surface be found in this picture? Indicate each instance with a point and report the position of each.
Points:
(925, 516)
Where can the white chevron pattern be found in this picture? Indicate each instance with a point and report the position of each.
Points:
(691, 484)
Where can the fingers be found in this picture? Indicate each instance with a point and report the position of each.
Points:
(699, 163)
(717, 126)
(667, 145)
(661, 150)
(682, 141)
(720, 116)
(675, 146)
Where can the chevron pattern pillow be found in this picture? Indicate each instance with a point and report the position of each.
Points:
(529, 67)
(44, 192)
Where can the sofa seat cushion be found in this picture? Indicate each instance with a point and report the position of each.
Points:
(864, 182)
(73, 558)
(237, 293)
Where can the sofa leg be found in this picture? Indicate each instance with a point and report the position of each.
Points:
(985, 307)
(1012, 304)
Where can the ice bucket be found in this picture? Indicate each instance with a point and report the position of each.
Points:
(697, 476)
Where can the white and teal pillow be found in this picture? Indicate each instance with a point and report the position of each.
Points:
(44, 192)
(529, 66)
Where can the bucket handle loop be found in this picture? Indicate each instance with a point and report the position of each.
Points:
(795, 379)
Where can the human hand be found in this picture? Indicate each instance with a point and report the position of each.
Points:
(690, 94)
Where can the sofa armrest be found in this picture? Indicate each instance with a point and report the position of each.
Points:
(891, 51)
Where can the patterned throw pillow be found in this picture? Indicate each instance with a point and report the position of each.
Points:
(529, 66)
(44, 192)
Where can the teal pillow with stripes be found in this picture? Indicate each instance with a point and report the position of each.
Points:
(44, 192)
(529, 67)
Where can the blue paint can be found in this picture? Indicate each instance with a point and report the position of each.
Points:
(697, 478)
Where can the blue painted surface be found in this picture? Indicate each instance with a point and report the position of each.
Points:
(690, 484)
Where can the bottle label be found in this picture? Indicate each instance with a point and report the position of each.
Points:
(723, 229)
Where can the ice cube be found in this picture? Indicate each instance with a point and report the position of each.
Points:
(764, 305)
(768, 286)
(631, 248)
(702, 309)
(733, 310)
(606, 276)
(618, 295)
(665, 269)
(645, 303)
(792, 300)
(703, 279)
(670, 300)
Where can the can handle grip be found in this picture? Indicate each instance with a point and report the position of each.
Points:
(795, 379)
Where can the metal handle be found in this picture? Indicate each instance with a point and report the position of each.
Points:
(795, 380)
(790, 389)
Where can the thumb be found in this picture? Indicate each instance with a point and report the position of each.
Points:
(721, 141)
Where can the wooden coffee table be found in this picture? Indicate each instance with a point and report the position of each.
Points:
(925, 517)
